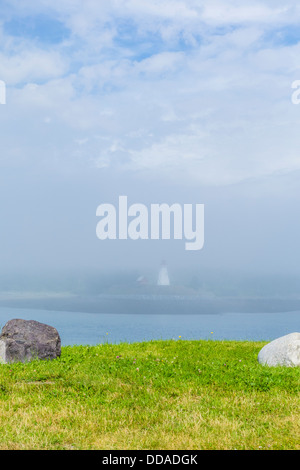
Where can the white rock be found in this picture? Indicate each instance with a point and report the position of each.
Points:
(283, 351)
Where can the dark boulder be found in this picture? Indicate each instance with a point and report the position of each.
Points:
(25, 340)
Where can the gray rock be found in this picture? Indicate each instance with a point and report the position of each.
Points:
(283, 351)
(25, 340)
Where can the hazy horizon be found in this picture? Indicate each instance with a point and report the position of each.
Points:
(182, 102)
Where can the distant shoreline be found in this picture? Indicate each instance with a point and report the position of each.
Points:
(148, 304)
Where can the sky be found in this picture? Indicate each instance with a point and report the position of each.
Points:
(182, 101)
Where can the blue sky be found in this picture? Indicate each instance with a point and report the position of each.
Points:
(40, 28)
(194, 65)
(163, 99)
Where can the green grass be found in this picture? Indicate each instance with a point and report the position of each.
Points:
(172, 395)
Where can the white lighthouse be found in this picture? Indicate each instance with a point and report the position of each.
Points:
(163, 276)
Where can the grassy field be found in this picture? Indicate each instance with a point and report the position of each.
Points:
(173, 395)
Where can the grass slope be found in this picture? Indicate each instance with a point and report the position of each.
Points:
(191, 395)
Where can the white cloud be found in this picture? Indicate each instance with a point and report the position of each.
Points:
(190, 89)
(31, 65)
(235, 12)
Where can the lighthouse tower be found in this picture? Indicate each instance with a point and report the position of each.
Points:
(163, 276)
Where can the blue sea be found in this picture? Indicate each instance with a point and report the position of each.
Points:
(94, 328)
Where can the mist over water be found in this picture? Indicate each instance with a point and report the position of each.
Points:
(179, 103)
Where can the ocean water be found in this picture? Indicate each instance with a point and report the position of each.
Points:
(95, 328)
